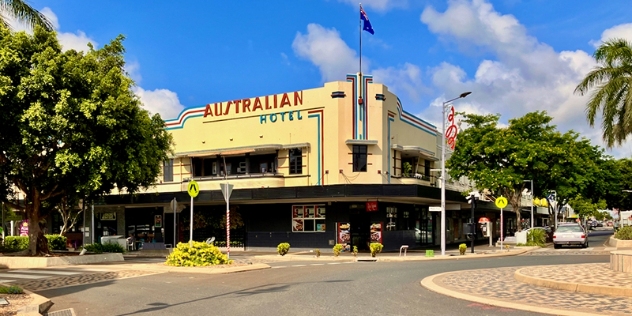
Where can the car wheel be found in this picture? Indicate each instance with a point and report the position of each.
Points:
(556, 246)
(586, 244)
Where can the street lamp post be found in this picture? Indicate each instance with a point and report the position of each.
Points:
(443, 107)
(532, 197)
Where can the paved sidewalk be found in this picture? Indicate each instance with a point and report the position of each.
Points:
(500, 287)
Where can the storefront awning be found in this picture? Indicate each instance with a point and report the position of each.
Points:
(240, 150)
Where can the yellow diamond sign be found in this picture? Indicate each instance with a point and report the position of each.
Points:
(193, 188)
(501, 202)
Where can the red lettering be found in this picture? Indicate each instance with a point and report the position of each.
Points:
(298, 98)
(275, 101)
(257, 105)
(285, 101)
(236, 102)
(208, 111)
(267, 103)
(227, 107)
(218, 112)
(246, 105)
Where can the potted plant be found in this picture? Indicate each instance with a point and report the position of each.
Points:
(283, 248)
(376, 248)
(337, 250)
(462, 249)
(355, 251)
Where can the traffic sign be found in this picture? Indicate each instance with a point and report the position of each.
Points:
(501, 202)
(193, 188)
(227, 189)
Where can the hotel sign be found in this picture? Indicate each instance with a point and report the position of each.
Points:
(254, 105)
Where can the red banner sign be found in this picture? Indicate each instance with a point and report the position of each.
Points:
(450, 133)
(371, 206)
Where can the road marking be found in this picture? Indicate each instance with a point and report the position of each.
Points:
(334, 263)
(6, 281)
(43, 272)
(299, 265)
(348, 262)
(21, 276)
(279, 267)
(318, 264)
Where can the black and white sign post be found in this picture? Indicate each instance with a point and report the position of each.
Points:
(227, 189)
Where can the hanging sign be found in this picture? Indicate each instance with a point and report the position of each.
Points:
(371, 206)
(450, 133)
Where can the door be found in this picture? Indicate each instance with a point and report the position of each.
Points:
(360, 230)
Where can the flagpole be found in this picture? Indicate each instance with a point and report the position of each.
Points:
(360, 33)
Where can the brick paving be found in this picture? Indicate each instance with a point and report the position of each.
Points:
(588, 273)
(500, 284)
(72, 280)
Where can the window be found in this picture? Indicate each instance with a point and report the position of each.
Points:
(359, 158)
(197, 166)
(296, 161)
(167, 171)
(427, 167)
(308, 218)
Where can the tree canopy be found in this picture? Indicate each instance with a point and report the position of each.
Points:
(71, 124)
(500, 159)
(611, 81)
(22, 11)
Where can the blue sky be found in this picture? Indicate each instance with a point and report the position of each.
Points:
(515, 56)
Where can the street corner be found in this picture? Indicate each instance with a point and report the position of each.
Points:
(38, 305)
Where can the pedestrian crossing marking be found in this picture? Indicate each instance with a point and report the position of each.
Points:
(50, 272)
(21, 276)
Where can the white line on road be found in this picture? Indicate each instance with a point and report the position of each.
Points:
(279, 267)
(317, 264)
(21, 276)
(299, 265)
(334, 263)
(43, 272)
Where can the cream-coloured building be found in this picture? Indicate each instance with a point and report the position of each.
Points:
(342, 163)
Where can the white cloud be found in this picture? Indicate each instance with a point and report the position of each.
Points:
(378, 5)
(77, 41)
(524, 75)
(325, 49)
(404, 80)
(620, 31)
(161, 101)
(133, 70)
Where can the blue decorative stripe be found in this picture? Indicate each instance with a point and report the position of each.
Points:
(318, 132)
(415, 121)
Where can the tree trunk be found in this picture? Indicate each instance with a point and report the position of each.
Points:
(38, 245)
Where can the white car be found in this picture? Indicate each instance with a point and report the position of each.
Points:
(570, 234)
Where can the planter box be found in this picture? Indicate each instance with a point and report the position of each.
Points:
(621, 261)
(613, 242)
(10, 262)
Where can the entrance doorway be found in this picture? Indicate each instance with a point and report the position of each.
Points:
(360, 230)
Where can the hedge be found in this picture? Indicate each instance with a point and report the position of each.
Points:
(20, 243)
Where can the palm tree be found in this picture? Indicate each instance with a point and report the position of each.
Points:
(612, 80)
(21, 11)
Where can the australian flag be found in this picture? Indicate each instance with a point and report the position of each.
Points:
(367, 24)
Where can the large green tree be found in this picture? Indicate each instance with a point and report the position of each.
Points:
(499, 159)
(71, 126)
(612, 95)
(23, 12)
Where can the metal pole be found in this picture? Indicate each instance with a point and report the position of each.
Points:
(473, 228)
(501, 229)
(2, 220)
(532, 198)
(191, 225)
(174, 205)
(92, 225)
(443, 180)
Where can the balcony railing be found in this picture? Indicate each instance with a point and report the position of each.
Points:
(239, 176)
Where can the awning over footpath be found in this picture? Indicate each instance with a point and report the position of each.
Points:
(236, 151)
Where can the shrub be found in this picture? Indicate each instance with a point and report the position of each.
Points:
(624, 233)
(462, 248)
(355, 251)
(112, 247)
(199, 254)
(337, 250)
(94, 248)
(317, 251)
(13, 289)
(283, 248)
(536, 237)
(376, 248)
(15, 243)
(56, 242)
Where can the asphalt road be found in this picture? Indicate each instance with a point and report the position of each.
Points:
(364, 288)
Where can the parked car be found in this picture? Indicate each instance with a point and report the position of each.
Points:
(570, 234)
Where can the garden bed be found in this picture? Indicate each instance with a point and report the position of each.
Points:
(16, 301)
